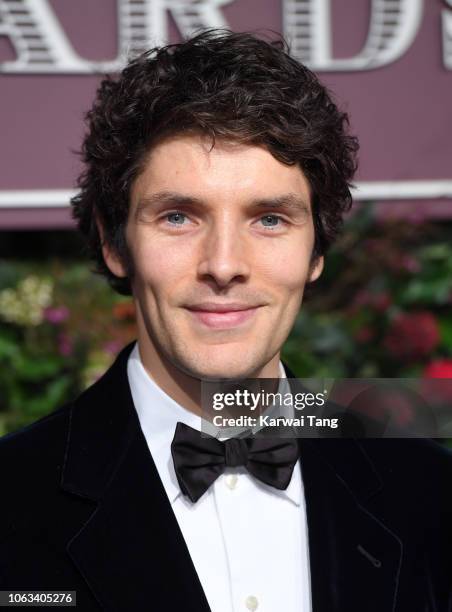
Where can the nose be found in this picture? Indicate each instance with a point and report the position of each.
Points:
(223, 254)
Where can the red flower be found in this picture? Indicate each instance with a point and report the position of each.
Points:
(412, 336)
(364, 334)
(440, 368)
(438, 386)
(124, 311)
(362, 298)
(380, 301)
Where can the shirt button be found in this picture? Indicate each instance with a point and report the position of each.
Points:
(251, 603)
(231, 481)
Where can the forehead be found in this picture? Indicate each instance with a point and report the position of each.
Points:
(225, 168)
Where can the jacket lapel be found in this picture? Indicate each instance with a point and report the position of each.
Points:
(131, 551)
(355, 558)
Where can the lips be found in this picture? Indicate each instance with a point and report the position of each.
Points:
(222, 316)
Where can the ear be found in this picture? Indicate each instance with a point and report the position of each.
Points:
(316, 269)
(112, 260)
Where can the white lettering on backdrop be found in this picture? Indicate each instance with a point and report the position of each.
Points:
(393, 28)
(41, 44)
(447, 36)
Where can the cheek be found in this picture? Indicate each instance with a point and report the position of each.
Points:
(158, 267)
(287, 268)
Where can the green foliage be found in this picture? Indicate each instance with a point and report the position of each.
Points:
(56, 338)
(385, 282)
(380, 309)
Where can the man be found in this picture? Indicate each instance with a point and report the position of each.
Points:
(217, 173)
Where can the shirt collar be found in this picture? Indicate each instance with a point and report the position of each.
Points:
(159, 414)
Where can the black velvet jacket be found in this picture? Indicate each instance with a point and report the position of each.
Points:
(83, 509)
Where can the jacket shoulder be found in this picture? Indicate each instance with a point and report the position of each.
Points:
(408, 453)
(417, 471)
(27, 451)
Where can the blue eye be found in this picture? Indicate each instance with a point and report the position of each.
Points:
(270, 220)
(176, 218)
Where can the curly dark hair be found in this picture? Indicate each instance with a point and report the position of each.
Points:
(226, 85)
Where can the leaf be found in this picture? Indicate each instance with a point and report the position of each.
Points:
(49, 398)
(8, 348)
(436, 251)
(445, 326)
(426, 291)
(33, 368)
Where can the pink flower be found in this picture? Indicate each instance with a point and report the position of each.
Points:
(380, 301)
(65, 345)
(410, 264)
(112, 347)
(56, 315)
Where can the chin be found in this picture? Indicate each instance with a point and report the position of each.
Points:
(223, 368)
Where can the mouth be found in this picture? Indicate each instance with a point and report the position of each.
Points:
(222, 316)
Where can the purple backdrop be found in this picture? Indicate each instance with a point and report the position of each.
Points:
(401, 112)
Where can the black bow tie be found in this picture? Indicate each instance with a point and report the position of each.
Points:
(199, 461)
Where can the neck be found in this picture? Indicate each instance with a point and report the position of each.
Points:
(180, 385)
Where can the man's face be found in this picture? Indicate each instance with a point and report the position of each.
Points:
(221, 242)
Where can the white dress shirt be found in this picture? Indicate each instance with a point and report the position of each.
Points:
(248, 541)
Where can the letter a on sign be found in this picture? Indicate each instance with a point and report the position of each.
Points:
(41, 44)
(393, 27)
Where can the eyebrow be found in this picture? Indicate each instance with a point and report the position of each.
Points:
(288, 201)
